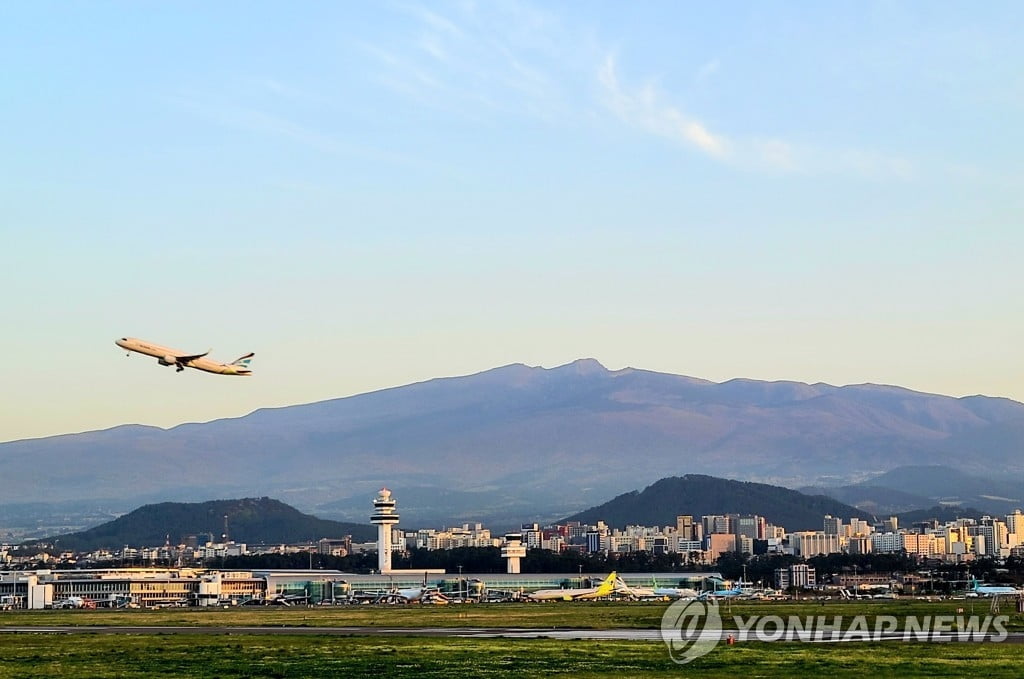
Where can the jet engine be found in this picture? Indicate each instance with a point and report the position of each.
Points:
(167, 360)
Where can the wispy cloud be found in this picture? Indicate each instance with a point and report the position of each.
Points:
(433, 19)
(484, 59)
(644, 108)
(647, 108)
(500, 61)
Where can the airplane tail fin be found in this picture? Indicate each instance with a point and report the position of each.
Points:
(242, 366)
(608, 586)
(244, 361)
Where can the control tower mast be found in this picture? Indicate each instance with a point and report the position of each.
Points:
(384, 516)
(513, 549)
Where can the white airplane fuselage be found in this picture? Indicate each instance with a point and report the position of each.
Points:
(676, 592)
(606, 588)
(167, 356)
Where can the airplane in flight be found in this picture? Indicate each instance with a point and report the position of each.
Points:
(606, 588)
(181, 360)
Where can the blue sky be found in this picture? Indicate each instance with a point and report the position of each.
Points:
(372, 194)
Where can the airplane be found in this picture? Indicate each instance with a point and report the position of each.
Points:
(181, 360)
(288, 599)
(735, 591)
(675, 592)
(990, 590)
(606, 588)
(74, 602)
(405, 595)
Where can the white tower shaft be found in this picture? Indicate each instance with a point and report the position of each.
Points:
(385, 517)
(384, 548)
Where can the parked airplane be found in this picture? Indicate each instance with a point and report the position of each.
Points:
(166, 356)
(74, 602)
(675, 592)
(288, 599)
(624, 589)
(606, 588)
(408, 595)
(990, 590)
(735, 591)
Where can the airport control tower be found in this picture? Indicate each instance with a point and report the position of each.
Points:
(384, 516)
(513, 550)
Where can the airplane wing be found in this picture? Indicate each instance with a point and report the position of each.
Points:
(186, 359)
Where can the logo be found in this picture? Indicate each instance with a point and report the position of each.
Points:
(691, 629)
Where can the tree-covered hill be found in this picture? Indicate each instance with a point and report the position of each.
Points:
(249, 520)
(660, 503)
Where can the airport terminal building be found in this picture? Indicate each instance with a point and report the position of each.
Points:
(157, 587)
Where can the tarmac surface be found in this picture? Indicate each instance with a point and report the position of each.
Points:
(453, 632)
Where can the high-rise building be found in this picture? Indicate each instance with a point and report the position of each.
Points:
(859, 544)
(717, 523)
(886, 542)
(797, 575)
(720, 543)
(753, 527)
(1015, 524)
(811, 543)
(684, 527)
(859, 527)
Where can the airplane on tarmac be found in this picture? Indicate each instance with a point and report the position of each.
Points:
(74, 602)
(735, 591)
(675, 592)
(181, 360)
(405, 595)
(991, 590)
(606, 588)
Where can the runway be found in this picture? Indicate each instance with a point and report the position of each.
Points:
(452, 632)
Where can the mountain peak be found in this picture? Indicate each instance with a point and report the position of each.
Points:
(584, 366)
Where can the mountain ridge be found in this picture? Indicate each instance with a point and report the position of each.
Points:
(560, 437)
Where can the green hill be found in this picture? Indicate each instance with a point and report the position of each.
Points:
(250, 520)
(697, 495)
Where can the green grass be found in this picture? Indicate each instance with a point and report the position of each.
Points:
(593, 615)
(101, 656)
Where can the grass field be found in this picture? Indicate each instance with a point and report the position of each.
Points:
(588, 615)
(40, 655)
(152, 655)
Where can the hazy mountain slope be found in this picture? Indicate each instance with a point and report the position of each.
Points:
(978, 488)
(942, 514)
(873, 499)
(922, 486)
(565, 438)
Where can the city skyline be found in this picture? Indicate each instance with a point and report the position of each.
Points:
(372, 196)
